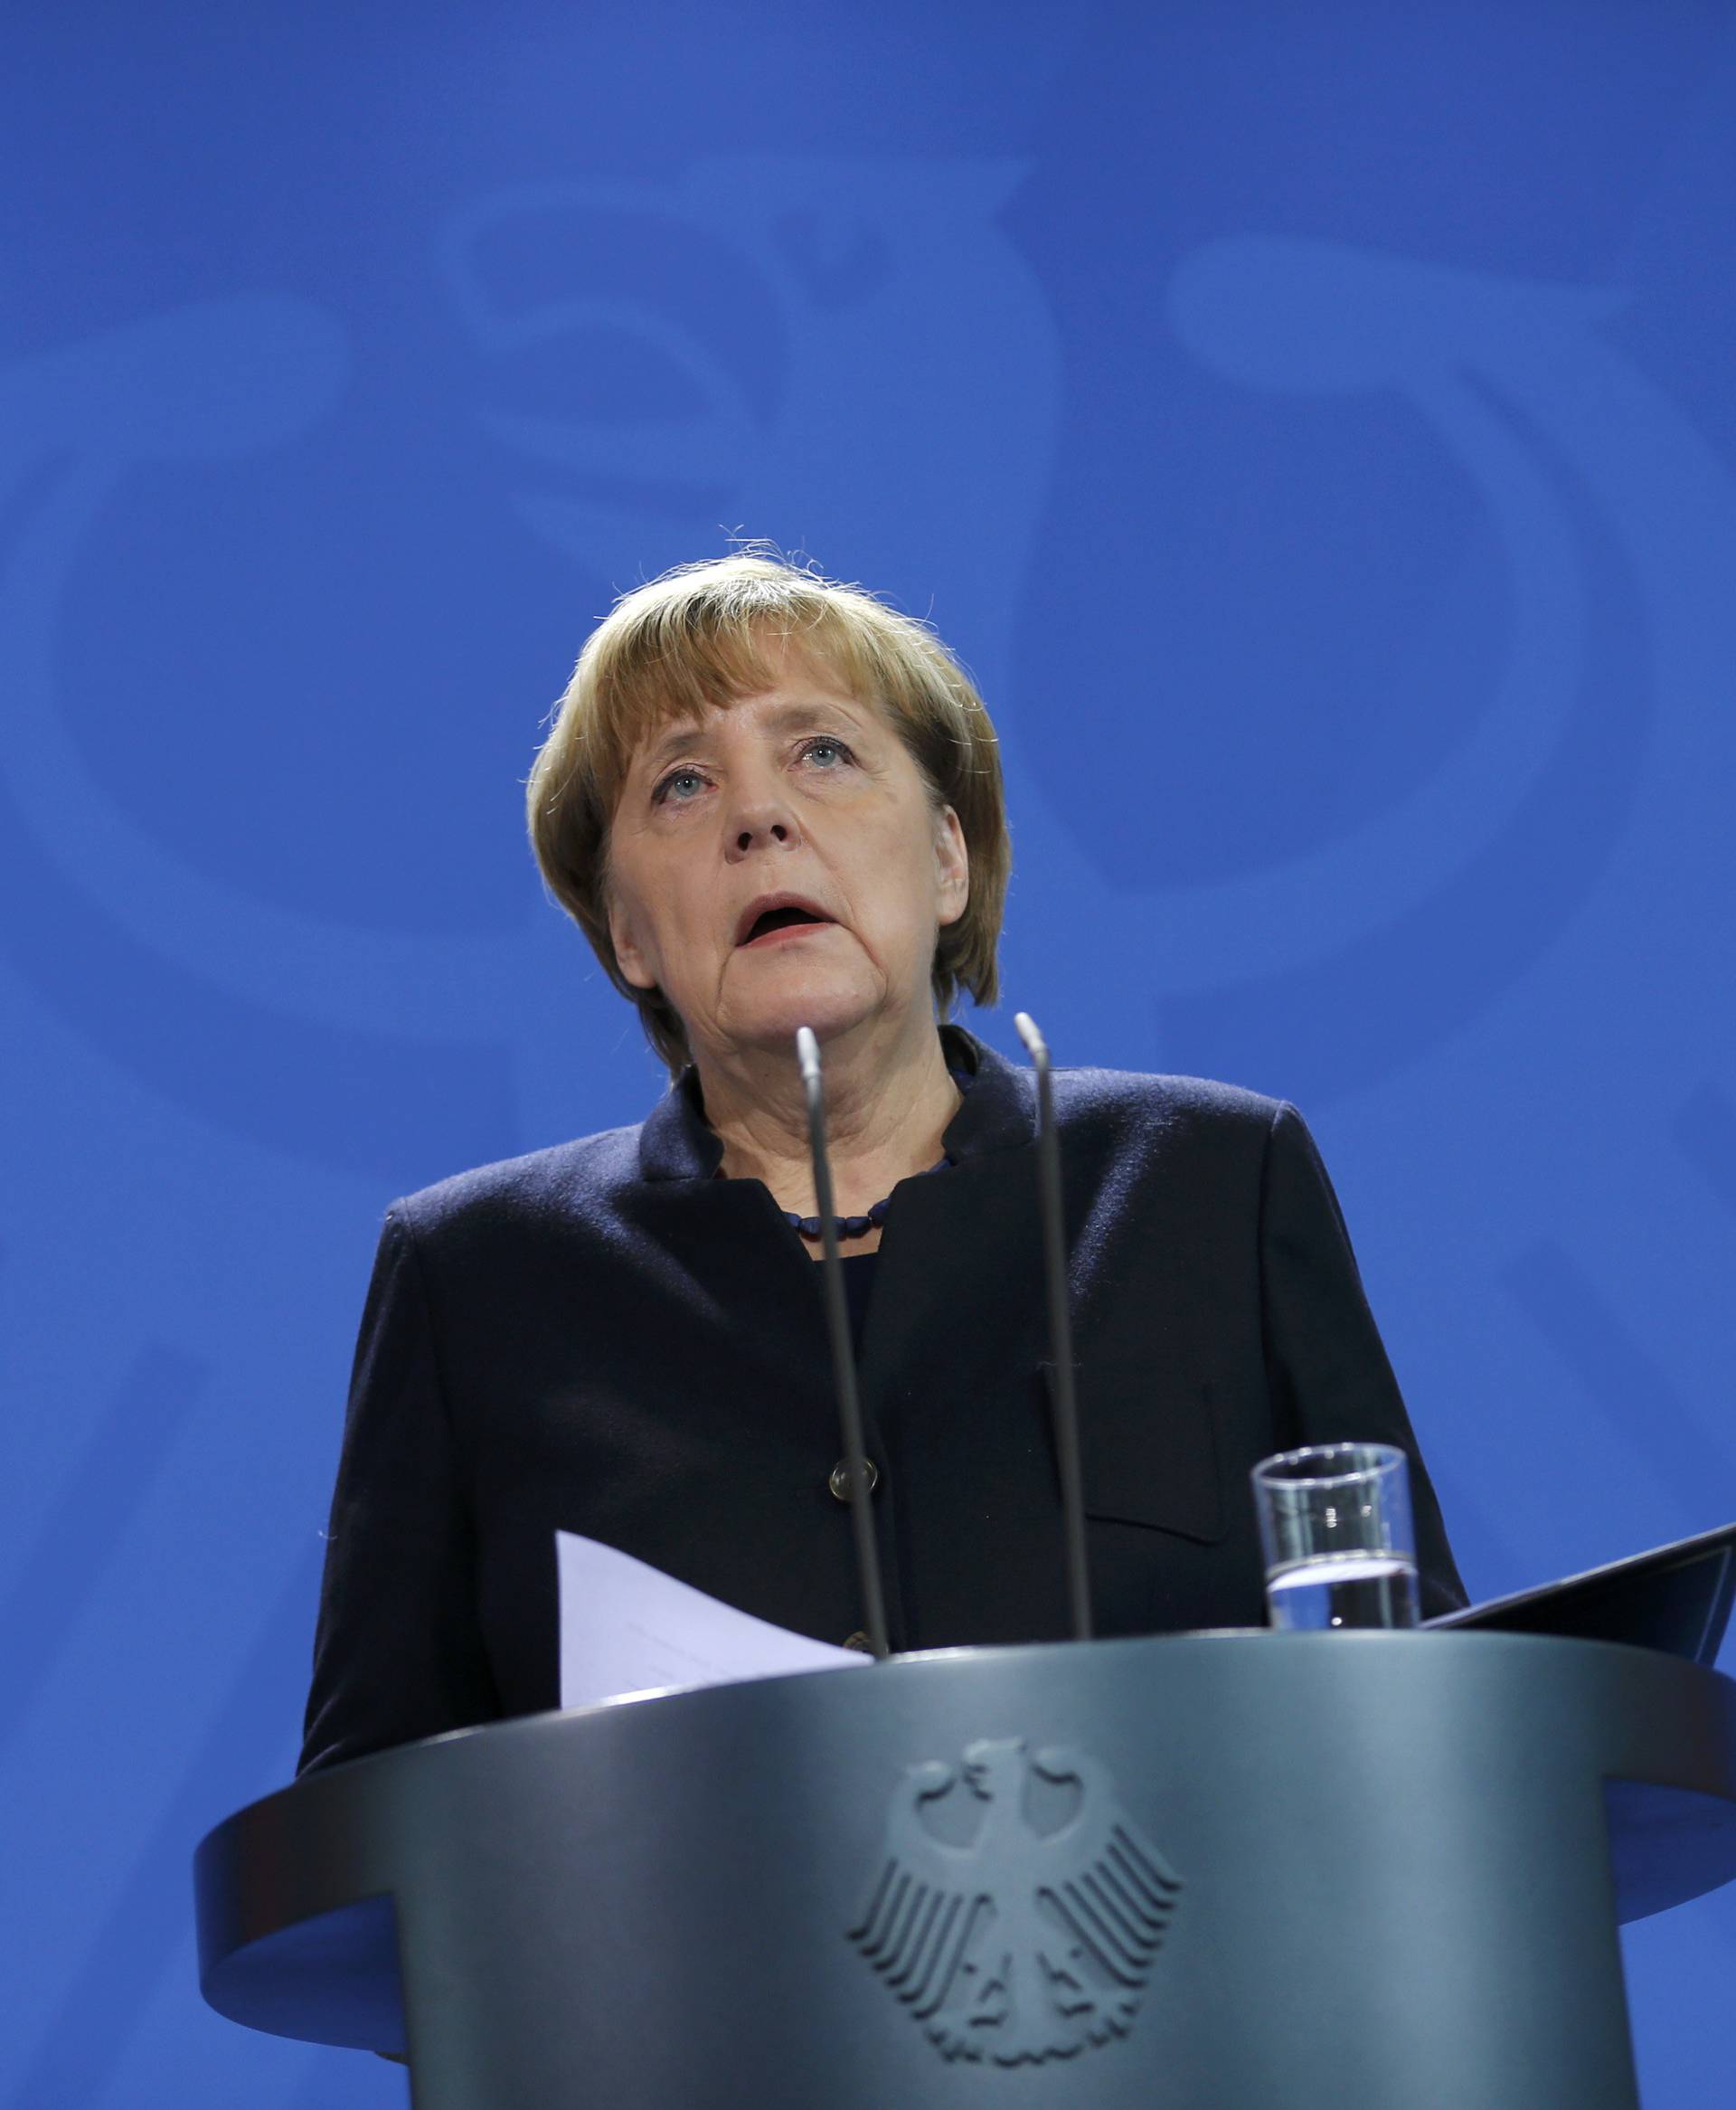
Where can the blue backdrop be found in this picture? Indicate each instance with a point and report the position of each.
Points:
(1315, 425)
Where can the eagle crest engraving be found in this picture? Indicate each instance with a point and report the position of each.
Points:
(1008, 1940)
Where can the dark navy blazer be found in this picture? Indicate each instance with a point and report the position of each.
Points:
(607, 1338)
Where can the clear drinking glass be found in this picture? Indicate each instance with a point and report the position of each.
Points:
(1335, 1525)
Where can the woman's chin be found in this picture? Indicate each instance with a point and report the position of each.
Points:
(773, 1020)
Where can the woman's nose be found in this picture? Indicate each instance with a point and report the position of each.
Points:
(761, 820)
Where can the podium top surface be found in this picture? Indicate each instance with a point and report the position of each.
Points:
(1256, 1739)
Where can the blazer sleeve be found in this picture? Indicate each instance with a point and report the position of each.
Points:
(398, 1652)
(1328, 1376)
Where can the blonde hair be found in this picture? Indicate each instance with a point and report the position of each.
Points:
(698, 637)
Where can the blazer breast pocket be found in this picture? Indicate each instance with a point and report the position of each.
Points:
(1149, 1453)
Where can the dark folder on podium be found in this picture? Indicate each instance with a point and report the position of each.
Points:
(1676, 1598)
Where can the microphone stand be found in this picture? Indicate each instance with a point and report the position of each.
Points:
(843, 1360)
(1061, 1332)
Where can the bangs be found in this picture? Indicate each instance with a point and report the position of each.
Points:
(681, 661)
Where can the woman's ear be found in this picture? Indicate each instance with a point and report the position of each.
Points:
(629, 956)
(952, 868)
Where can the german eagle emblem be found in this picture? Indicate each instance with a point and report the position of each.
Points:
(1009, 1943)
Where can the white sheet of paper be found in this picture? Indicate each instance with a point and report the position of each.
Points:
(626, 1627)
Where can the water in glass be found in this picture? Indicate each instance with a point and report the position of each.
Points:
(1346, 1589)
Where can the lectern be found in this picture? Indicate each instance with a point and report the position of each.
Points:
(1237, 1870)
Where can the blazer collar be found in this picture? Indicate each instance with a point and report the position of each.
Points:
(998, 1113)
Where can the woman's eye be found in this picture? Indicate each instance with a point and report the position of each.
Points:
(827, 752)
(680, 785)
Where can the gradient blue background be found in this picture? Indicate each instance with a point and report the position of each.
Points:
(1314, 423)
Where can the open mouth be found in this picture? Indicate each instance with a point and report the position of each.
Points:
(775, 914)
(780, 919)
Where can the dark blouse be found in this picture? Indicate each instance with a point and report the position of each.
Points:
(605, 1338)
(859, 1272)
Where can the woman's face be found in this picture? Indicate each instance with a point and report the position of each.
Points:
(782, 864)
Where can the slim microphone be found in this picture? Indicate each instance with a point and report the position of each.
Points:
(1061, 1332)
(843, 1359)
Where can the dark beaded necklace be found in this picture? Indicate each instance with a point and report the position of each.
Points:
(854, 1226)
(860, 1227)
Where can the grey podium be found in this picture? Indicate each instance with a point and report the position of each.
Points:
(1220, 1870)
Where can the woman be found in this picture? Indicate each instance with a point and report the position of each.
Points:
(770, 801)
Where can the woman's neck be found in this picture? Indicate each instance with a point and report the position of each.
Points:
(886, 1111)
